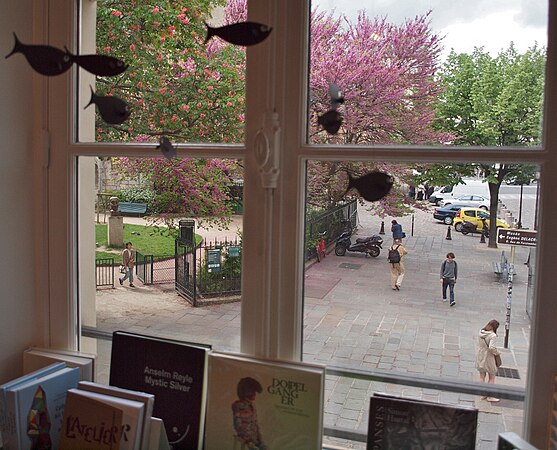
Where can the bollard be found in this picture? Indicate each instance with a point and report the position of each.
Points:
(449, 238)
(382, 230)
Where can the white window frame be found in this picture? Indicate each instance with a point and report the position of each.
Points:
(273, 219)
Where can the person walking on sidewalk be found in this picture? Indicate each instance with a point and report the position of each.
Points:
(128, 258)
(487, 351)
(449, 273)
(396, 229)
(395, 256)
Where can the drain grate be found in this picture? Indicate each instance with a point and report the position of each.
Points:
(505, 372)
(350, 266)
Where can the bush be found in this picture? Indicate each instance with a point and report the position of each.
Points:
(137, 195)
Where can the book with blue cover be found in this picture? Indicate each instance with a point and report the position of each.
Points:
(175, 372)
(33, 409)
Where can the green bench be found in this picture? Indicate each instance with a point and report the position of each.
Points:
(132, 209)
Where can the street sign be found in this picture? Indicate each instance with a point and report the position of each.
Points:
(511, 236)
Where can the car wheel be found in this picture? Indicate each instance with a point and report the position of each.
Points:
(374, 251)
(340, 250)
(448, 220)
(458, 227)
(485, 208)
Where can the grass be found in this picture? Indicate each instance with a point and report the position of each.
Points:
(147, 240)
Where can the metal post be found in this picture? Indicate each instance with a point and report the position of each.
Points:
(519, 226)
(412, 225)
(537, 201)
(509, 297)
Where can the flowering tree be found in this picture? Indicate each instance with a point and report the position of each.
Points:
(387, 74)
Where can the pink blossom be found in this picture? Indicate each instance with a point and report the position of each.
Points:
(155, 10)
(116, 13)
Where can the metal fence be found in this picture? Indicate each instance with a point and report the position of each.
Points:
(104, 268)
(331, 224)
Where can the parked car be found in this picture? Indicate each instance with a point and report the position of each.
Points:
(476, 201)
(474, 215)
(447, 213)
(466, 187)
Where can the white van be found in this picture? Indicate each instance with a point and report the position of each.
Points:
(470, 187)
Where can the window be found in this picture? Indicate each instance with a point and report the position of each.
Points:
(272, 308)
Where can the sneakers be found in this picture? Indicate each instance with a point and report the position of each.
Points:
(493, 399)
(397, 287)
(453, 303)
(121, 281)
(132, 285)
(445, 300)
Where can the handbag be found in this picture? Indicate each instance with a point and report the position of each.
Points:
(498, 361)
(122, 268)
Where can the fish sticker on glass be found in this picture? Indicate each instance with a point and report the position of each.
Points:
(44, 59)
(330, 121)
(166, 147)
(100, 65)
(336, 95)
(242, 33)
(372, 186)
(112, 110)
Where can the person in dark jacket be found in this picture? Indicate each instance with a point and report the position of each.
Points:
(396, 229)
(449, 274)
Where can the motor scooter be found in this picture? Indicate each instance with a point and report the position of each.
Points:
(369, 245)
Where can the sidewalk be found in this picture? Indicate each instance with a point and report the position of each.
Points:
(352, 317)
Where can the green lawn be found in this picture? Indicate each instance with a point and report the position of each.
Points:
(147, 240)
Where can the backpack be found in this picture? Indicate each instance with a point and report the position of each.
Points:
(394, 255)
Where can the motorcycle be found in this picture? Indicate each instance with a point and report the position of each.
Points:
(369, 245)
(471, 227)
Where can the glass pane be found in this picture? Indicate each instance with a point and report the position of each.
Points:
(448, 73)
(176, 85)
(361, 313)
(183, 219)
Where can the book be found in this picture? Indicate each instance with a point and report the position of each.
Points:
(78, 419)
(175, 372)
(148, 401)
(34, 409)
(7, 422)
(90, 424)
(396, 423)
(253, 401)
(158, 440)
(34, 358)
(512, 441)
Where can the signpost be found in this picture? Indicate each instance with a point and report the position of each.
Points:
(513, 237)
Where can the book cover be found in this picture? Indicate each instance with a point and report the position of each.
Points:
(175, 372)
(34, 358)
(256, 403)
(132, 417)
(35, 409)
(148, 401)
(90, 424)
(396, 423)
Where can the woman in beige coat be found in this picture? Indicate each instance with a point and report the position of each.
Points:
(485, 359)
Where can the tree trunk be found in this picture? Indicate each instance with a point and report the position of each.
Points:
(494, 193)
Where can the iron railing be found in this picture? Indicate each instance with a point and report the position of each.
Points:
(104, 272)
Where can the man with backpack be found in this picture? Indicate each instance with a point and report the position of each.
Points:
(395, 256)
(449, 273)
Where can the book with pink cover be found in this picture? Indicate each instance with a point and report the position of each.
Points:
(254, 401)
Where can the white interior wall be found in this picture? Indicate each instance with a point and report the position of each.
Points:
(20, 324)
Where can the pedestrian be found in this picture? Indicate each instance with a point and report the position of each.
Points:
(487, 351)
(128, 258)
(396, 229)
(449, 274)
(397, 265)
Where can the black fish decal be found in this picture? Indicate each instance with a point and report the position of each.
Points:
(167, 149)
(372, 186)
(337, 97)
(100, 65)
(44, 59)
(242, 33)
(113, 110)
(331, 121)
